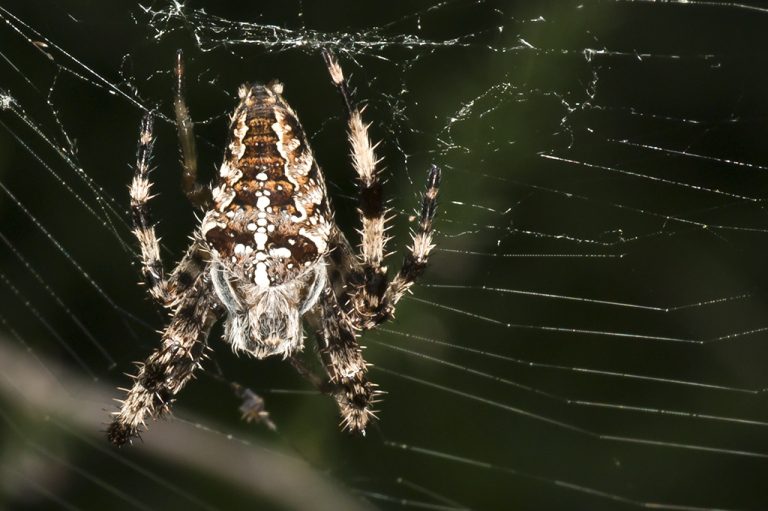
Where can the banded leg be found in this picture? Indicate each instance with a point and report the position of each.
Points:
(414, 263)
(170, 367)
(199, 195)
(370, 201)
(143, 228)
(162, 289)
(422, 244)
(375, 300)
(343, 360)
(190, 267)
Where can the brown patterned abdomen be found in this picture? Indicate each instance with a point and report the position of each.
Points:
(270, 215)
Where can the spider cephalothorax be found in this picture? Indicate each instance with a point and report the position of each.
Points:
(268, 256)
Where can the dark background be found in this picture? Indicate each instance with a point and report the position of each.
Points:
(601, 151)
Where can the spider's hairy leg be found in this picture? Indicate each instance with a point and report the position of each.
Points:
(197, 194)
(422, 244)
(164, 290)
(370, 196)
(194, 262)
(343, 360)
(143, 228)
(170, 367)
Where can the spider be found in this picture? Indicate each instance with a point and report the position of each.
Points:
(268, 256)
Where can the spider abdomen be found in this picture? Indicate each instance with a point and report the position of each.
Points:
(270, 219)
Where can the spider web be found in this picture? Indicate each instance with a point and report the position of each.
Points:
(590, 333)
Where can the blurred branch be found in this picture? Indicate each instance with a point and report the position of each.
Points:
(50, 389)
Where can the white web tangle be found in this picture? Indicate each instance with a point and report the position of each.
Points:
(591, 331)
